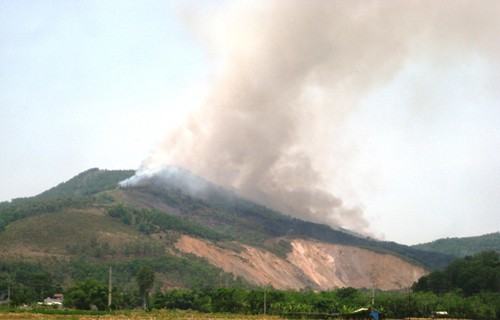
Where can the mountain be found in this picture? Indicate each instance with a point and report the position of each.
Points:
(192, 233)
(461, 247)
(88, 182)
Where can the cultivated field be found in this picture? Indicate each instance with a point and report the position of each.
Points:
(134, 315)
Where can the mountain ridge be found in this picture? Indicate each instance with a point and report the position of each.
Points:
(463, 246)
(119, 224)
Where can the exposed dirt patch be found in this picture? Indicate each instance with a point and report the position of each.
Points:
(332, 265)
(313, 264)
(254, 265)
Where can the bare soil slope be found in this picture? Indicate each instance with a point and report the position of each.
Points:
(312, 264)
(332, 265)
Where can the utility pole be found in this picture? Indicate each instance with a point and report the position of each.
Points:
(110, 288)
(265, 302)
(409, 302)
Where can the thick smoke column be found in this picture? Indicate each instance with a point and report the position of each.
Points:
(289, 72)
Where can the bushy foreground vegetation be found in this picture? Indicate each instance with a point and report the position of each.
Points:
(30, 283)
(340, 302)
(470, 275)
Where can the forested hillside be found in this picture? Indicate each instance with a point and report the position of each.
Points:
(73, 233)
(470, 275)
(88, 182)
(252, 223)
(219, 210)
(461, 247)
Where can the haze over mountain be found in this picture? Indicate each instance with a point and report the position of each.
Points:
(275, 122)
(380, 117)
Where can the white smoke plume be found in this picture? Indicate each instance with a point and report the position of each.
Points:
(287, 75)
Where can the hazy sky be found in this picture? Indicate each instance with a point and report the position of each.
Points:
(413, 141)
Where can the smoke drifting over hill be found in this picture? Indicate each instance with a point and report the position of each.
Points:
(287, 75)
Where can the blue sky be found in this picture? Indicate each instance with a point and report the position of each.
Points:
(101, 83)
(87, 83)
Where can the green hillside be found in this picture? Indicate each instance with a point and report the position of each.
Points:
(223, 215)
(88, 182)
(82, 227)
(59, 245)
(72, 232)
(248, 222)
(69, 232)
(461, 247)
(471, 275)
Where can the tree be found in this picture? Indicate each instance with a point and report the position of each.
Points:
(471, 275)
(232, 300)
(145, 279)
(349, 296)
(86, 294)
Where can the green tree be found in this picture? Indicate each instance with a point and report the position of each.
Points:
(232, 300)
(33, 283)
(426, 303)
(394, 304)
(471, 275)
(86, 294)
(145, 279)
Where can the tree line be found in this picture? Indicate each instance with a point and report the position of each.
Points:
(470, 275)
(342, 301)
(150, 221)
(30, 283)
(22, 208)
(462, 247)
(93, 294)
